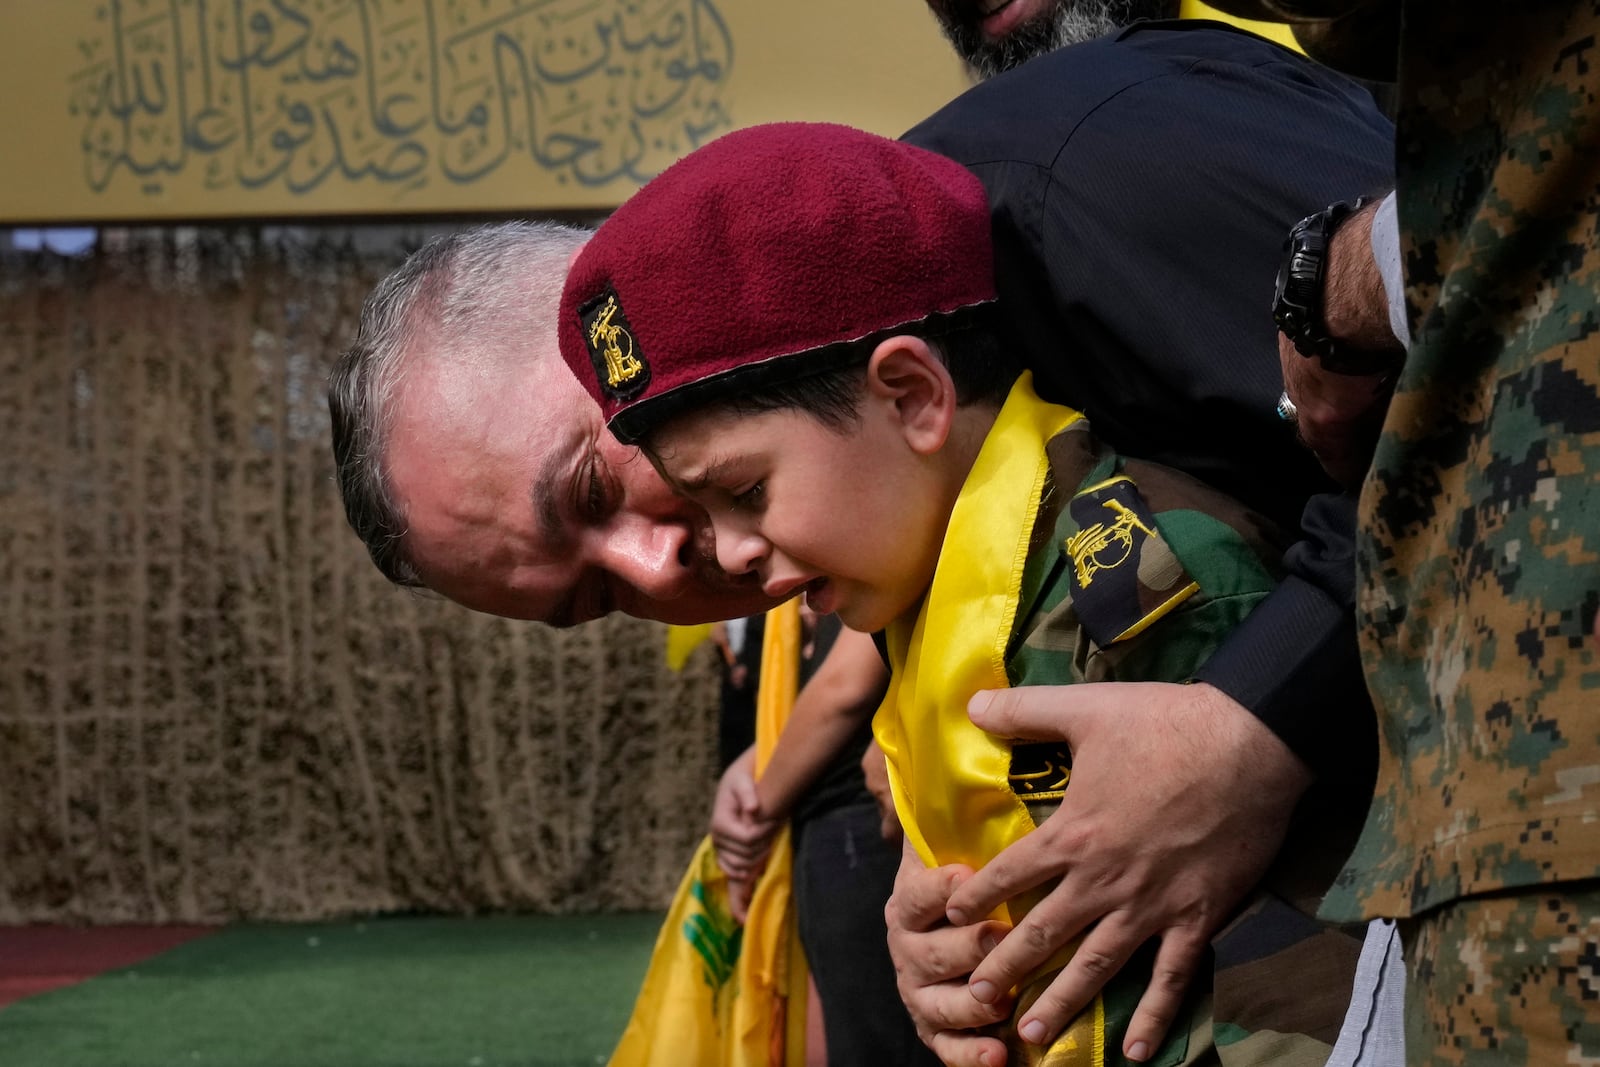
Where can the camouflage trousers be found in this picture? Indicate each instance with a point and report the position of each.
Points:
(1271, 992)
(1505, 979)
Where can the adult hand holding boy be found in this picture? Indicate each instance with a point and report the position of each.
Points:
(1168, 859)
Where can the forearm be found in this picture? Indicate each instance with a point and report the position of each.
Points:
(743, 764)
(845, 690)
(1357, 307)
(1339, 399)
(1293, 663)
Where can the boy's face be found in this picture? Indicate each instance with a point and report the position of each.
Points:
(852, 518)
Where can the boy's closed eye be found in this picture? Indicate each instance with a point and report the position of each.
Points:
(752, 498)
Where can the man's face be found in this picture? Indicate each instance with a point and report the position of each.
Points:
(993, 36)
(519, 503)
(850, 518)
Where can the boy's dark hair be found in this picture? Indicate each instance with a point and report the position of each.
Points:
(969, 342)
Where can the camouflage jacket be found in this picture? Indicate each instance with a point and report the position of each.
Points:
(1479, 554)
(1097, 607)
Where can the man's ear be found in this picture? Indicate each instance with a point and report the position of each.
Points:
(905, 374)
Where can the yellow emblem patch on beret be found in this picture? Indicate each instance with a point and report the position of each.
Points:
(618, 365)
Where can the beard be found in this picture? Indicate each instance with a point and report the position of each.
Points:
(1066, 22)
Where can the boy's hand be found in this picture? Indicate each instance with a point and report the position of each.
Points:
(741, 836)
(740, 892)
(1178, 801)
(932, 960)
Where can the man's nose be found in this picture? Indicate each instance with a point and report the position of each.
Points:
(650, 555)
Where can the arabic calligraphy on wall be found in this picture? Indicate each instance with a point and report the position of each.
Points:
(204, 108)
(396, 91)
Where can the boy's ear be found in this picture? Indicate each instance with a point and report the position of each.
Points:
(908, 376)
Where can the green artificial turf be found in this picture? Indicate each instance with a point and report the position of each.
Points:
(505, 991)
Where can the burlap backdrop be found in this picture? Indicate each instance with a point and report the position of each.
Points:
(211, 704)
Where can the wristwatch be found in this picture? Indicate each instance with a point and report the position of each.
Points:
(1297, 299)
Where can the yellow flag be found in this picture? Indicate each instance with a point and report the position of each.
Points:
(683, 640)
(717, 994)
(780, 678)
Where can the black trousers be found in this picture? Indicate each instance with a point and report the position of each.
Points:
(844, 873)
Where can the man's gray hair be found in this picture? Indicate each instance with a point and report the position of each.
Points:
(481, 296)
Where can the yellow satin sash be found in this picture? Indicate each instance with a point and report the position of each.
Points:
(949, 778)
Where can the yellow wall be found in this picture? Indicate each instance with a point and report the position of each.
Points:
(124, 109)
(164, 109)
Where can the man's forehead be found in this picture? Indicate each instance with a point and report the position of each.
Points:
(482, 411)
(472, 469)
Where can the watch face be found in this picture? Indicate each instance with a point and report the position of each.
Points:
(1290, 306)
(1286, 317)
(1297, 301)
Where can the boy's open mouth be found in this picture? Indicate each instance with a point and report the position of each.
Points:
(819, 596)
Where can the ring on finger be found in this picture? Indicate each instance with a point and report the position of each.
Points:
(1286, 409)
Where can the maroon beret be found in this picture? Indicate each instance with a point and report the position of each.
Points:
(744, 260)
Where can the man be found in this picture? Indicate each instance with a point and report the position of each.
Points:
(1480, 586)
(467, 463)
(1068, 232)
(993, 36)
(454, 488)
(889, 405)
(843, 867)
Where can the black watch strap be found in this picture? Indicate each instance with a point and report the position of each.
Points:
(1297, 301)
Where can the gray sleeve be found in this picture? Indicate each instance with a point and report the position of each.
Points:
(1374, 1033)
(1386, 252)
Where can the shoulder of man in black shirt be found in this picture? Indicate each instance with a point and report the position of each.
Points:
(1141, 187)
